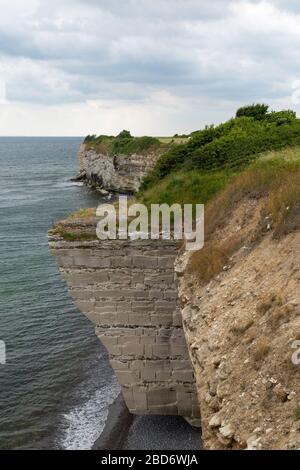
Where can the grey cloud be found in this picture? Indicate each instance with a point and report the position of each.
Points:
(126, 50)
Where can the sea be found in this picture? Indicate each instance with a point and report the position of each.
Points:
(56, 384)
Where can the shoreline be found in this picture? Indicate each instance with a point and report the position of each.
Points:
(118, 423)
(125, 431)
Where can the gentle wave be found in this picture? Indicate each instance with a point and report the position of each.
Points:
(86, 421)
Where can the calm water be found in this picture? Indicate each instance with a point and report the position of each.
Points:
(56, 385)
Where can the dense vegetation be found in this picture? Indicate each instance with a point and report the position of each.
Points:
(230, 145)
(124, 143)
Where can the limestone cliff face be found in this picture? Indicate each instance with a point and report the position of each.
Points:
(128, 289)
(118, 173)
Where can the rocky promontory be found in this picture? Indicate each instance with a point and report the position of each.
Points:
(117, 164)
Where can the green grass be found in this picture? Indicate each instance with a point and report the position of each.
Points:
(232, 145)
(77, 235)
(275, 176)
(196, 186)
(128, 145)
(123, 145)
(190, 187)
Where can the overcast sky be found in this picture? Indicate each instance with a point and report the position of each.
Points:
(73, 67)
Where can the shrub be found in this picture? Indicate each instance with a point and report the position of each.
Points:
(124, 135)
(257, 111)
(233, 144)
(242, 145)
(282, 117)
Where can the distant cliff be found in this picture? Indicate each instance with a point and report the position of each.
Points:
(117, 164)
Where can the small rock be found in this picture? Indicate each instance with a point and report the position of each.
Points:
(227, 431)
(103, 192)
(208, 397)
(272, 380)
(291, 395)
(253, 443)
(215, 422)
(216, 362)
(280, 392)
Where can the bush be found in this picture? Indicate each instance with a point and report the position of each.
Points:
(282, 117)
(257, 111)
(242, 145)
(233, 144)
(124, 135)
(175, 158)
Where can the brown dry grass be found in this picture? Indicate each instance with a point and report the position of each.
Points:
(269, 300)
(277, 180)
(281, 314)
(284, 205)
(252, 333)
(242, 326)
(261, 349)
(209, 261)
(84, 213)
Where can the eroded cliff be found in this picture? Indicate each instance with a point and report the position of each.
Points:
(241, 326)
(114, 171)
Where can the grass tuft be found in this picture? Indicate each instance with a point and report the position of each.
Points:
(262, 348)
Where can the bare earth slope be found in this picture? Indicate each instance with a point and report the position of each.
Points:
(240, 328)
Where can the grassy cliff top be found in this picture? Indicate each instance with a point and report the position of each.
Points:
(254, 154)
(273, 176)
(126, 144)
(231, 145)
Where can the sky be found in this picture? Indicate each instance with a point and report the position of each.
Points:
(154, 67)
